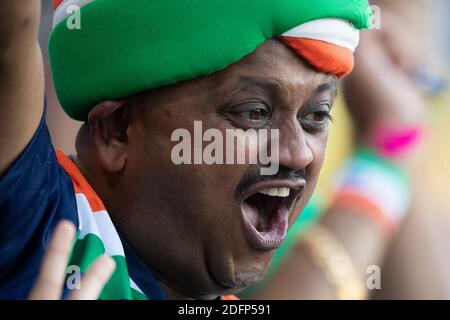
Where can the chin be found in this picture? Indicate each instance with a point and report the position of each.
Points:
(236, 279)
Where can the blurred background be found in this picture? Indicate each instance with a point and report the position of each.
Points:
(431, 27)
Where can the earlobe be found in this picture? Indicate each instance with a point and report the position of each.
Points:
(108, 122)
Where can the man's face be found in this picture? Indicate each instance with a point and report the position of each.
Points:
(207, 229)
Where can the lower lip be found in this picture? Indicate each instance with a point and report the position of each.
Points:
(271, 239)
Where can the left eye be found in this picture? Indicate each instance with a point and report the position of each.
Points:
(250, 114)
(255, 114)
(316, 120)
(321, 116)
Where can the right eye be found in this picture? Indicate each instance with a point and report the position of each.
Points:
(250, 115)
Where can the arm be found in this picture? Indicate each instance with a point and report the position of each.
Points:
(21, 77)
(21, 108)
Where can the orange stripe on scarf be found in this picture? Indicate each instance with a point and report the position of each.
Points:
(325, 57)
(80, 184)
(229, 298)
(56, 3)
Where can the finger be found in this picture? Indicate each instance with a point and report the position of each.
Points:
(51, 277)
(95, 279)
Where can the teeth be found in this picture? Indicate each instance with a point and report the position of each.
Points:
(276, 192)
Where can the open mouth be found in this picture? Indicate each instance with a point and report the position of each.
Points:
(266, 213)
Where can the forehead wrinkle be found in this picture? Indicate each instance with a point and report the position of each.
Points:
(254, 85)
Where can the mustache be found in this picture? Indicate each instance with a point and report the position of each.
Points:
(253, 175)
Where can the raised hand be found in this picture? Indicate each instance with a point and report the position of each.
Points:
(50, 282)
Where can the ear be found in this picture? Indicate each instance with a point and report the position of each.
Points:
(109, 121)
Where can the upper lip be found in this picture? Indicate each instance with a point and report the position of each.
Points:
(296, 187)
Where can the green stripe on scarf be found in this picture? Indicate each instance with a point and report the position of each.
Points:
(91, 247)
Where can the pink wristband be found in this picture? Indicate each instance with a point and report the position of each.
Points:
(394, 143)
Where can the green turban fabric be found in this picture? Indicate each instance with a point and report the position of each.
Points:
(123, 47)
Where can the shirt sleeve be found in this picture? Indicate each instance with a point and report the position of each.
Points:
(35, 193)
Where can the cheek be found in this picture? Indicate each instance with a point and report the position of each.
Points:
(205, 193)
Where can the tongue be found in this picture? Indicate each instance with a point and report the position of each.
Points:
(251, 213)
(261, 210)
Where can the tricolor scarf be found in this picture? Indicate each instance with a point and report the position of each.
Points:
(98, 236)
(128, 46)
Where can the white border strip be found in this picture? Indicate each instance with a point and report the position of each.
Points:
(61, 11)
(335, 31)
(98, 223)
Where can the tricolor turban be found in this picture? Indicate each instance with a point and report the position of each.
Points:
(129, 46)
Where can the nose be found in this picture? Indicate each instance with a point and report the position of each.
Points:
(295, 153)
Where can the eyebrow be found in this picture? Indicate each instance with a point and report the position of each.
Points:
(331, 85)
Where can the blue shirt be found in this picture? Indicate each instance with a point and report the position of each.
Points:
(35, 194)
